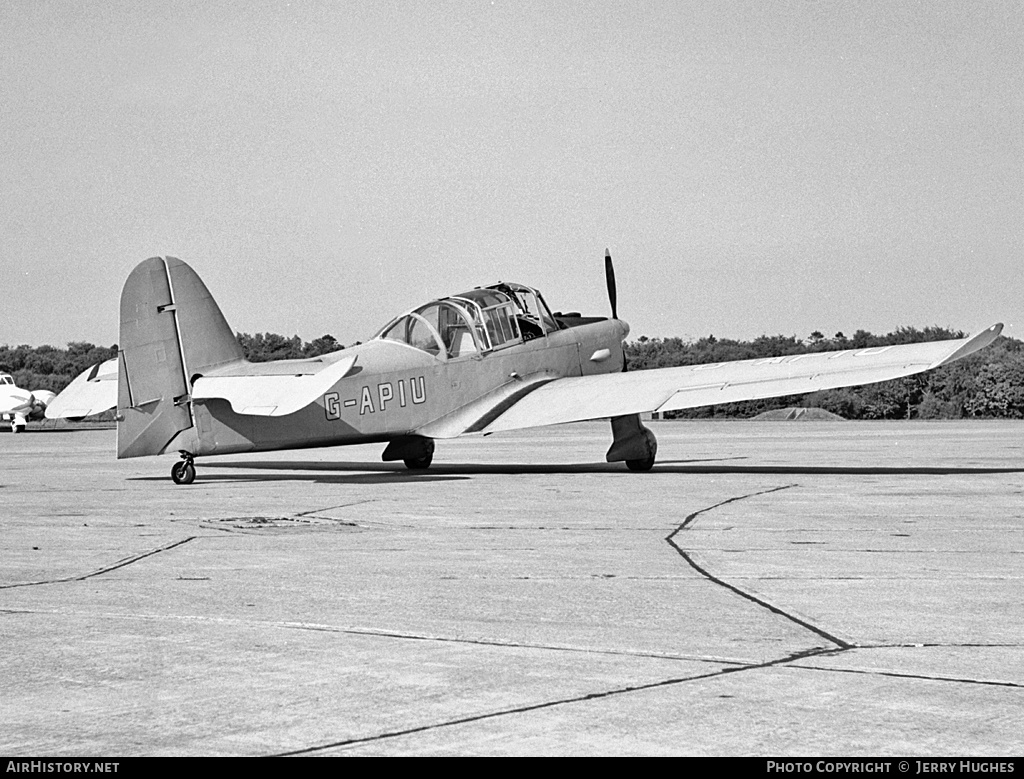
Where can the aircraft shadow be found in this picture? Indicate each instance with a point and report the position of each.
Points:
(389, 472)
(321, 477)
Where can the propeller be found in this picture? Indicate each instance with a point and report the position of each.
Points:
(613, 297)
(609, 273)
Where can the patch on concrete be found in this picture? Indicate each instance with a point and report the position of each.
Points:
(276, 524)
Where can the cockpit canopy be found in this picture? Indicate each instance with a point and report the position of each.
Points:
(5, 378)
(482, 320)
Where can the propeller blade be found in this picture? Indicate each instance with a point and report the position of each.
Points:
(609, 273)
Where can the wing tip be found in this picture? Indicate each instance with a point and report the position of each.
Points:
(971, 344)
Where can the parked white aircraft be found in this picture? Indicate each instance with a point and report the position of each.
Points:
(18, 406)
(93, 391)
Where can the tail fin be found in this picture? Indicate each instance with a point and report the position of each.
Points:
(172, 331)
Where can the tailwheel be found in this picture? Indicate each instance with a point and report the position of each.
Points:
(184, 472)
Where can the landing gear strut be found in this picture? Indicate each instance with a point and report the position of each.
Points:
(184, 472)
(633, 443)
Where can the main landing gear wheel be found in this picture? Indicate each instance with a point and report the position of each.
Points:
(183, 472)
(419, 463)
(640, 465)
(415, 451)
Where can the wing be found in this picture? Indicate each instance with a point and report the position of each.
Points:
(575, 399)
(93, 391)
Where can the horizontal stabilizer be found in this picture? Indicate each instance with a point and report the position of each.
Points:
(272, 395)
(93, 391)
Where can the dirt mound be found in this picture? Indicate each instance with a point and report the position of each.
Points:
(795, 414)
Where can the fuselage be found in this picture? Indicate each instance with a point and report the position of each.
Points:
(397, 390)
(444, 368)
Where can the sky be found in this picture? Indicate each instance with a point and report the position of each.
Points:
(755, 168)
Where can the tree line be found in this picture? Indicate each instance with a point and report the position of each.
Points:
(989, 383)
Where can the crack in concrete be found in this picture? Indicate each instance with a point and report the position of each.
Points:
(842, 646)
(907, 675)
(547, 705)
(106, 569)
(941, 645)
(377, 633)
(670, 539)
(511, 644)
